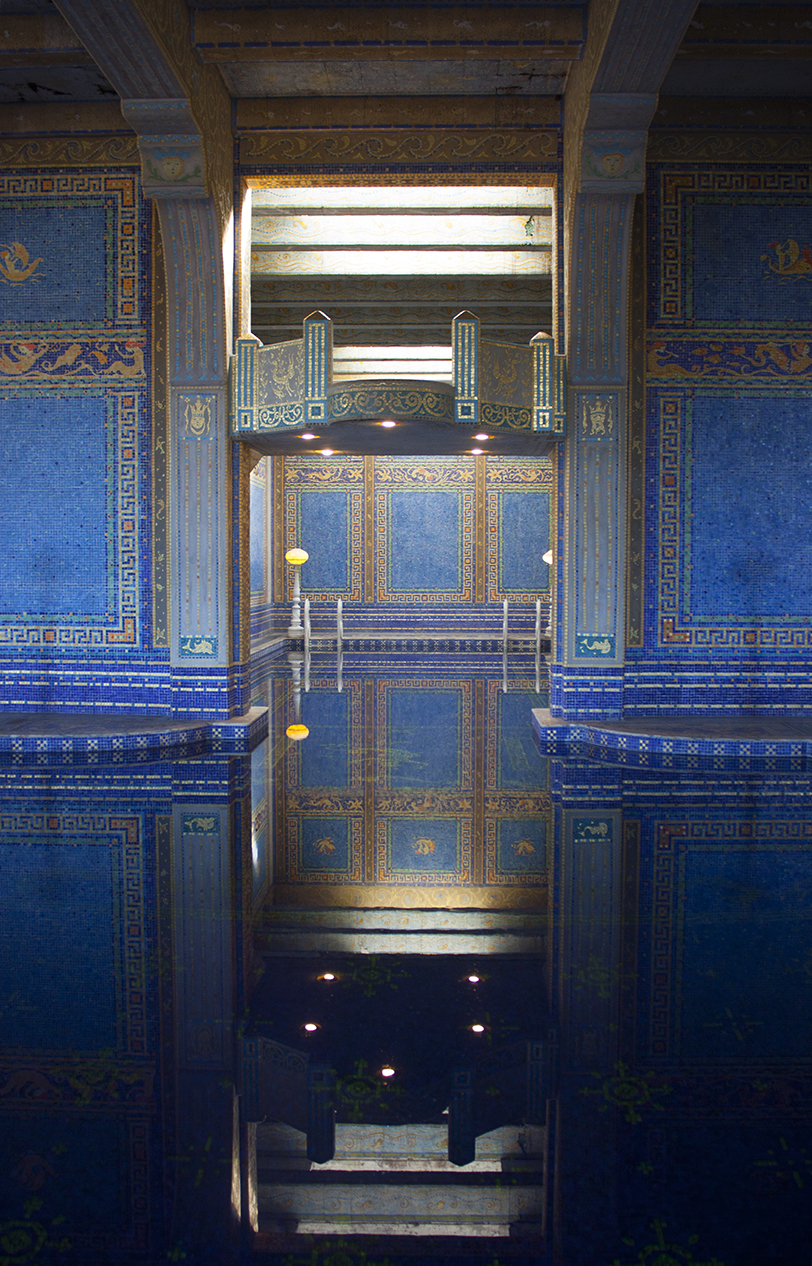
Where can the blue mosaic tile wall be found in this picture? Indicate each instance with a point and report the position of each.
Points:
(83, 542)
(728, 604)
(260, 528)
(416, 542)
(365, 801)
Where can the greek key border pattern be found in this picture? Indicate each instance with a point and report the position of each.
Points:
(355, 499)
(126, 831)
(671, 544)
(123, 627)
(466, 545)
(384, 875)
(673, 188)
(354, 873)
(465, 729)
(124, 188)
(672, 842)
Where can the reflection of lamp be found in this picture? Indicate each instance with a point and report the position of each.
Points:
(297, 731)
(296, 557)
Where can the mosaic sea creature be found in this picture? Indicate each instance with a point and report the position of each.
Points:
(523, 848)
(14, 264)
(423, 846)
(325, 846)
(793, 260)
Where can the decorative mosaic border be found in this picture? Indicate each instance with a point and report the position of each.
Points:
(383, 561)
(384, 873)
(464, 690)
(122, 627)
(676, 190)
(331, 481)
(295, 872)
(124, 834)
(258, 481)
(673, 550)
(118, 192)
(493, 872)
(319, 799)
(673, 842)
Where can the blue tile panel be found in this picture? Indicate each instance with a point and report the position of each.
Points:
(728, 603)
(410, 778)
(405, 542)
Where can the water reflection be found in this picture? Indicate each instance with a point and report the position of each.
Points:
(640, 1089)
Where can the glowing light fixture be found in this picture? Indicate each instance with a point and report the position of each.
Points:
(474, 980)
(389, 424)
(477, 452)
(477, 1028)
(327, 452)
(387, 1071)
(297, 732)
(327, 975)
(482, 436)
(308, 435)
(310, 1028)
(296, 557)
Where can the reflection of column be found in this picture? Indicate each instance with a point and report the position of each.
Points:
(586, 676)
(206, 1208)
(588, 940)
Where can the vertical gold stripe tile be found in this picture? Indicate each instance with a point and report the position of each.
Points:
(369, 529)
(478, 849)
(369, 776)
(480, 561)
(278, 546)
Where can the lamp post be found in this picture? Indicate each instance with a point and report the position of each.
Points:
(296, 557)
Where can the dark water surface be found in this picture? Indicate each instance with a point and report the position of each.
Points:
(638, 1086)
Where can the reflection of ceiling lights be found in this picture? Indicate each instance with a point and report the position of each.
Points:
(310, 1028)
(481, 436)
(327, 452)
(474, 980)
(477, 1028)
(327, 975)
(477, 452)
(387, 1071)
(389, 424)
(308, 435)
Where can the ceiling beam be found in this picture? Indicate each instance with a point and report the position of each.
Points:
(398, 34)
(37, 40)
(270, 114)
(722, 30)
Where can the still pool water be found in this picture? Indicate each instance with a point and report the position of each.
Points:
(410, 988)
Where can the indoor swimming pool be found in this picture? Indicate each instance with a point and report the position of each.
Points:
(420, 981)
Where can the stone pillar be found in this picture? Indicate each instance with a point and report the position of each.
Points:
(199, 445)
(587, 669)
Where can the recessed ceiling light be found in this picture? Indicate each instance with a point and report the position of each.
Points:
(327, 975)
(389, 424)
(327, 452)
(387, 1071)
(477, 452)
(308, 435)
(482, 437)
(474, 980)
(310, 1028)
(477, 1028)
